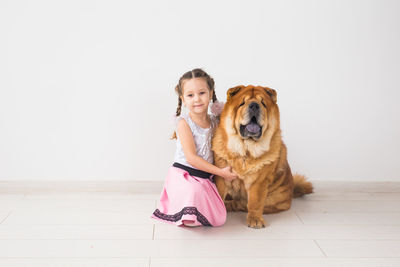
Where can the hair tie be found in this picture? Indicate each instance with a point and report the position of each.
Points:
(217, 107)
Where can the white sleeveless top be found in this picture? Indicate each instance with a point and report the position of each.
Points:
(202, 139)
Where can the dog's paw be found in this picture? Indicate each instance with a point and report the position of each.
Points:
(256, 222)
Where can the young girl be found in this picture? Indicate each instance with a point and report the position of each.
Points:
(190, 196)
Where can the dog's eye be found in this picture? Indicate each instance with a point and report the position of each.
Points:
(263, 104)
(241, 104)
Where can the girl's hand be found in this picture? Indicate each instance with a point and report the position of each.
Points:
(227, 174)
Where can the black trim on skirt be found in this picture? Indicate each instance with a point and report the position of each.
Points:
(177, 216)
(193, 172)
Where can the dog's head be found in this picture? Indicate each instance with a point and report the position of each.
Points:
(250, 116)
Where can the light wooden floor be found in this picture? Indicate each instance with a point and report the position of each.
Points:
(108, 224)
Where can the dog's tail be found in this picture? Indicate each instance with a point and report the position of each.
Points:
(301, 186)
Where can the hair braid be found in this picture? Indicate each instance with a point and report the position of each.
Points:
(178, 109)
(214, 97)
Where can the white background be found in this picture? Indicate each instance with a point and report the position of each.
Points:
(87, 87)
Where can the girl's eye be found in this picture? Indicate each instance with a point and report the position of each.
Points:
(202, 93)
(190, 95)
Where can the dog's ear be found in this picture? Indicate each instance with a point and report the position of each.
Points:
(272, 93)
(233, 91)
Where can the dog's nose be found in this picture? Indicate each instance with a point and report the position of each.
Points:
(254, 107)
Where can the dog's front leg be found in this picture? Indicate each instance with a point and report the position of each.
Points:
(220, 183)
(256, 194)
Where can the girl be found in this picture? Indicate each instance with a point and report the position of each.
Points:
(189, 196)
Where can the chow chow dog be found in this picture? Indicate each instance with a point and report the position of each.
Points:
(249, 140)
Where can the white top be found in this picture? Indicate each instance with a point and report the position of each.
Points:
(202, 139)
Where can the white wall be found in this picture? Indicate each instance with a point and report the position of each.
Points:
(87, 87)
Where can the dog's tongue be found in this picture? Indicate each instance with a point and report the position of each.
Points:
(253, 127)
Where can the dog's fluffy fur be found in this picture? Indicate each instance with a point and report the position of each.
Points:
(249, 140)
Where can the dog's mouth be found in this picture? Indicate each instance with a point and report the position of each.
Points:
(251, 130)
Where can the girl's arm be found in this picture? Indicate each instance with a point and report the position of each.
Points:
(189, 149)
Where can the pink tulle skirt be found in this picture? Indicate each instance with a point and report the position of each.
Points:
(189, 198)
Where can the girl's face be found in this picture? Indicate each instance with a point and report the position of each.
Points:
(196, 95)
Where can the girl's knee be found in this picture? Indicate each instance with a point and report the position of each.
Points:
(221, 221)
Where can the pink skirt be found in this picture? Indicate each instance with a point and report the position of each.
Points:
(187, 197)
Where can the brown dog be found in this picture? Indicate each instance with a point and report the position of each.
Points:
(248, 138)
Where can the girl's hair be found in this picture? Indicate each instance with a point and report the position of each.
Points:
(195, 73)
